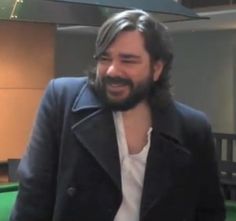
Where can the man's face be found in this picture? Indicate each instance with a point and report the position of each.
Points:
(125, 74)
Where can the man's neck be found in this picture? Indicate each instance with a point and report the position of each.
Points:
(137, 122)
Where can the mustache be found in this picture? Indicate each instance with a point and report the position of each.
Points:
(117, 80)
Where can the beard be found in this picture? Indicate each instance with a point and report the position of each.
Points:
(137, 93)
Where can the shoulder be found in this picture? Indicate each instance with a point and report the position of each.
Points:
(64, 91)
(190, 114)
(194, 123)
(195, 130)
(68, 83)
(66, 87)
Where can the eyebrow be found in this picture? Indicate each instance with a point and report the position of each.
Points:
(130, 56)
(124, 56)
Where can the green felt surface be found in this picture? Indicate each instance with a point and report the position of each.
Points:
(8, 187)
(7, 200)
(8, 193)
(231, 210)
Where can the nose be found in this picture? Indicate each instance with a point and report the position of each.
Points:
(113, 69)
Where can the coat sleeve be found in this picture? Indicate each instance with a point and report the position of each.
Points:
(210, 199)
(37, 169)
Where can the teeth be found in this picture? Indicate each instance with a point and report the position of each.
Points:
(116, 85)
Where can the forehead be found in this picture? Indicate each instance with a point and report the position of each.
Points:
(128, 42)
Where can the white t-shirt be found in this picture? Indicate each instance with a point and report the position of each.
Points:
(132, 173)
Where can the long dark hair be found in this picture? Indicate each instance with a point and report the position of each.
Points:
(157, 40)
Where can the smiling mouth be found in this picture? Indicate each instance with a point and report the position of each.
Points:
(116, 89)
(116, 85)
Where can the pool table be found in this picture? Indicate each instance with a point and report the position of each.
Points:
(8, 194)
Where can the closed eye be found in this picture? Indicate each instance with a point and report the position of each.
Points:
(130, 58)
(130, 61)
(104, 58)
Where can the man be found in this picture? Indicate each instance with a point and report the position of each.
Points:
(116, 146)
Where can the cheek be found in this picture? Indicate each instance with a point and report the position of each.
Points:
(141, 74)
(101, 70)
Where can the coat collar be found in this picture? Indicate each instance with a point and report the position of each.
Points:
(86, 99)
(167, 121)
(165, 118)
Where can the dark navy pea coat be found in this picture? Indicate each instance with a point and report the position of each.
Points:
(71, 169)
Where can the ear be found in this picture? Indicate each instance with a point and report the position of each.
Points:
(158, 68)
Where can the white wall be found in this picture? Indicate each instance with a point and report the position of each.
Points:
(203, 74)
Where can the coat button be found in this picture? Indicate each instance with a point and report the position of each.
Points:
(71, 191)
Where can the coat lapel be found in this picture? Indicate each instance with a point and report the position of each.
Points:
(166, 157)
(96, 132)
(164, 160)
